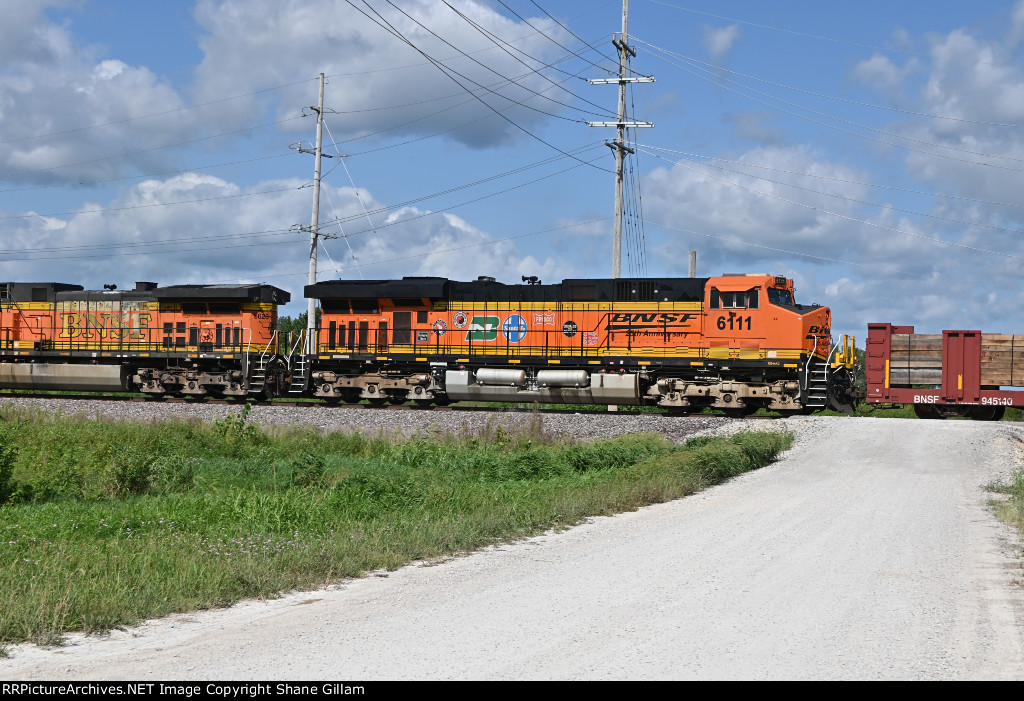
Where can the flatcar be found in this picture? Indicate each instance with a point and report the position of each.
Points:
(197, 340)
(736, 342)
(963, 373)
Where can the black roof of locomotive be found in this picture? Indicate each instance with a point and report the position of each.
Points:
(33, 291)
(488, 290)
(148, 291)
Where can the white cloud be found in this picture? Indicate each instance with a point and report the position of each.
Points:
(252, 44)
(720, 40)
(50, 87)
(882, 73)
(232, 236)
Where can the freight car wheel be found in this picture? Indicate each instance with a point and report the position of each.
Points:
(985, 413)
(927, 411)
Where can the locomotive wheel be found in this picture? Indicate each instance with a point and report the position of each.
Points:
(378, 401)
(927, 411)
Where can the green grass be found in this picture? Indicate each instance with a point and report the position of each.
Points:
(1011, 509)
(103, 524)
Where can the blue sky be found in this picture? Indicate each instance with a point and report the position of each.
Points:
(873, 151)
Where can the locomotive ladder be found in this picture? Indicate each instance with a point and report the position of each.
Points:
(258, 373)
(816, 381)
(817, 385)
(299, 364)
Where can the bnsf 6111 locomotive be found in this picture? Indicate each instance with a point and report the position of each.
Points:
(736, 343)
(199, 340)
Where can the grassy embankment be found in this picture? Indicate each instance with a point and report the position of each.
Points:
(1011, 509)
(104, 524)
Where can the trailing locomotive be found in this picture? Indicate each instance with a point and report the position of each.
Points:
(197, 340)
(736, 343)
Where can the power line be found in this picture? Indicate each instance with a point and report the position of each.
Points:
(838, 180)
(147, 175)
(865, 202)
(497, 41)
(844, 121)
(589, 45)
(152, 114)
(149, 150)
(853, 133)
(446, 68)
(854, 219)
(153, 204)
(448, 72)
(828, 97)
(788, 31)
(610, 71)
(772, 248)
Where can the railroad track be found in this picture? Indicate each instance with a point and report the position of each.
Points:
(316, 404)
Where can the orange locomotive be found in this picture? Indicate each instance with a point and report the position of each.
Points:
(181, 340)
(735, 342)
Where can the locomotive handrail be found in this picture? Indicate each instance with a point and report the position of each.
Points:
(38, 331)
(807, 365)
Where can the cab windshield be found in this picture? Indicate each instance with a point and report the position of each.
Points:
(780, 297)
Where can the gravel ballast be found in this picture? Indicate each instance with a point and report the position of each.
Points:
(389, 422)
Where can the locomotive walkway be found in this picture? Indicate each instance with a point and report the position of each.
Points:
(867, 552)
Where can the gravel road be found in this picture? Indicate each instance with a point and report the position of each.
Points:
(866, 552)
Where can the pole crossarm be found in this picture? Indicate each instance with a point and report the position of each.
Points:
(621, 42)
(627, 125)
(613, 81)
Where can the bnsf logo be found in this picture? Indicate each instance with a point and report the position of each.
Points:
(820, 330)
(650, 318)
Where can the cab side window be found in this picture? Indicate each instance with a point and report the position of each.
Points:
(780, 297)
(739, 299)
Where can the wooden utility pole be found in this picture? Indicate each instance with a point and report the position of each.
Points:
(619, 145)
(314, 227)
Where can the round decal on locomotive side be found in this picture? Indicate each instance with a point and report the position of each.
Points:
(460, 320)
(569, 329)
(514, 328)
(440, 328)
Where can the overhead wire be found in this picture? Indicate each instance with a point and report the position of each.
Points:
(589, 45)
(889, 108)
(448, 70)
(718, 82)
(449, 73)
(858, 201)
(787, 31)
(143, 176)
(839, 180)
(150, 150)
(104, 210)
(940, 242)
(501, 44)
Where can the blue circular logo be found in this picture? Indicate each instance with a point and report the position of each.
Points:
(514, 328)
